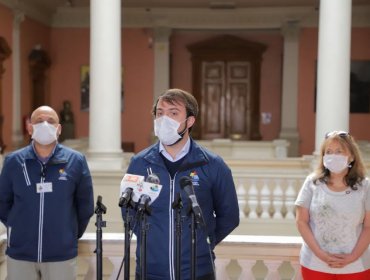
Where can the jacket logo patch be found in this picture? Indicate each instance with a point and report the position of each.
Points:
(195, 178)
(62, 175)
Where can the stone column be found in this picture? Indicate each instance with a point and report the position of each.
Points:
(17, 129)
(161, 60)
(333, 73)
(104, 152)
(289, 120)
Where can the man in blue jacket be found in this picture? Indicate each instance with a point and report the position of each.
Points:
(46, 201)
(176, 155)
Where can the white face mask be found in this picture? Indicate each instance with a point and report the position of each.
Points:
(165, 129)
(44, 133)
(335, 163)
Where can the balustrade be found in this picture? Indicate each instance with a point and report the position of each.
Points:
(238, 257)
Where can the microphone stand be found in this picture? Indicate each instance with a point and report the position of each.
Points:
(193, 240)
(143, 210)
(177, 205)
(127, 224)
(99, 210)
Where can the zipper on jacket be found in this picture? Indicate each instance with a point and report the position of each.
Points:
(41, 215)
(171, 229)
(9, 234)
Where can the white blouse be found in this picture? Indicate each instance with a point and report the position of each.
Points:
(336, 220)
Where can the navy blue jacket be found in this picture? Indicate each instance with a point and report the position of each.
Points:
(216, 195)
(45, 227)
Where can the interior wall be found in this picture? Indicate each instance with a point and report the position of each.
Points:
(31, 34)
(70, 51)
(270, 87)
(360, 50)
(6, 25)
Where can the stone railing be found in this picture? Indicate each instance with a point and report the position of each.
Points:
(239, 257)
(267, 190)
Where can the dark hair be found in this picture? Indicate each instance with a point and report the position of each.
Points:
(178, 96)
(356, 172)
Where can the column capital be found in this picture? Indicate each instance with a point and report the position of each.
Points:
(18, 16)
(290, 29)
(162, 33)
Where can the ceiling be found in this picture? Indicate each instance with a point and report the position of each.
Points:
(53, 5)
(76, 12)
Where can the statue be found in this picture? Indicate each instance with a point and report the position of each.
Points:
(67, 122)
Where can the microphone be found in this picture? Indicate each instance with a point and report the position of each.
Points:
(143, 202)
(187, 185)
(126, 197)
(151, 182)
(153, 178)
(145, 199)
(133, 187)
(128, 186)
(100, 207)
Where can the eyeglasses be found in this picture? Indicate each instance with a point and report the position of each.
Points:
(340, 133)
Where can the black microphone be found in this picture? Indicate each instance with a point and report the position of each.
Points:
(143, 205)
(187, 185)
(125, 197)
(153, 178)
(100, 207)
(144, 198)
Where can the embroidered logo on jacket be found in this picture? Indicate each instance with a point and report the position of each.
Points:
(195, 178)
(62, 175)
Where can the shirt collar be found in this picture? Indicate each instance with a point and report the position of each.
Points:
(44, 160)
(183, 152)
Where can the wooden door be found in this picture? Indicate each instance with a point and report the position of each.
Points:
(225, 100)
(226, 73)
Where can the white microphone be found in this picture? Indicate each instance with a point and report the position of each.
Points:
(128, 184)
(139, 187)
(187, 185)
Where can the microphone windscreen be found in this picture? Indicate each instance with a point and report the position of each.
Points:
(187, 185)
(185, 181)
(153, 178)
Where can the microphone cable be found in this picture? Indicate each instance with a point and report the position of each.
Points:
(211, 256)
(131, 233)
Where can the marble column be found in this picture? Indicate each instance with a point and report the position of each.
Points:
(333, 73)
(161, 60)
(289, 119)
(104, 152)
(17, 129)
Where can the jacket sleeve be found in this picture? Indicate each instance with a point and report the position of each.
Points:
(6, 192)
(84, 198)
(225, 202)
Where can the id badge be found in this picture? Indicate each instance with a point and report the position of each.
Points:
(44, 187)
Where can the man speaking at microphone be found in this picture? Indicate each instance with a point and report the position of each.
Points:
(173, 157)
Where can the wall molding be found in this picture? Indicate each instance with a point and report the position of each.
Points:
(189, 18)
